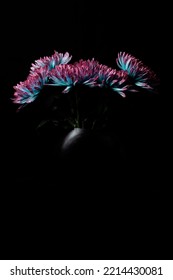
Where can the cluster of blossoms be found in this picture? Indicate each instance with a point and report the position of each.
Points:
(55, 71)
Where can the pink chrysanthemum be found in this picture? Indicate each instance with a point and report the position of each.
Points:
(51, 61)
(111, 78)
(82, 72)
(142, 76)
(87, 71)
(27, 91)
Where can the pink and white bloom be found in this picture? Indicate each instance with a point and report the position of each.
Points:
(51, 61)
(111, 78)
(27, 91)
(141, 75)
(84, 72)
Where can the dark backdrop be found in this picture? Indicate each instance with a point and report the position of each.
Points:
(84, 218)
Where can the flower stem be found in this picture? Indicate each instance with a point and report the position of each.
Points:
(77, 111)
(93, 124)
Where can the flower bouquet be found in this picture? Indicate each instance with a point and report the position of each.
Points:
(79, 94)
(79, 102)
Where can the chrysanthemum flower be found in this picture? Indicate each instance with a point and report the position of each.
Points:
(51, 61)
(62, 75)
(55, 71)
(142, 76)
(82, 72)
(27, 91)
(87, 71)
(111, 78)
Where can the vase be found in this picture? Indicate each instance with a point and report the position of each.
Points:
(92, 154)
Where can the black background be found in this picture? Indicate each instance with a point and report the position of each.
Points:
(80, 218)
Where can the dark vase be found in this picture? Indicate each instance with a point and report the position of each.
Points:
(92, 153)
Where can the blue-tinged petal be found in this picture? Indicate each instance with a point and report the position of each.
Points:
(142, 76)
